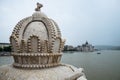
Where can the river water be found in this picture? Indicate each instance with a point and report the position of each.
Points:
(104, 66)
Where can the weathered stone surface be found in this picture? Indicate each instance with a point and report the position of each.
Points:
(63, 72)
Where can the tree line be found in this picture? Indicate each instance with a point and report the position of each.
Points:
(5, 49)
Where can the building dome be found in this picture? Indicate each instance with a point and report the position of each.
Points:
(36, 42)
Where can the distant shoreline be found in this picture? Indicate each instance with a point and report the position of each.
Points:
(5, 54)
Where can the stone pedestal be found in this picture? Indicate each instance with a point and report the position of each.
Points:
(63, 72)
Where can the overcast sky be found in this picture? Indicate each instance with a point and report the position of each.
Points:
(97, 21)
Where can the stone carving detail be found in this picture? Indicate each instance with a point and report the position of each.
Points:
(14, 44)
(23, 46)
(56, 45)
(38, 7)
(36, 42)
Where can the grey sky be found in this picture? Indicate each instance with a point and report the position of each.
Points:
(97, 21)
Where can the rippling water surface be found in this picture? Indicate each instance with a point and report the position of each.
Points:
(104, 66)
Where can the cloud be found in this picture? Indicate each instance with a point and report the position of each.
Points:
(94, 20)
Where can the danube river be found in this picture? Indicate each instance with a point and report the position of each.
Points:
(104, 66)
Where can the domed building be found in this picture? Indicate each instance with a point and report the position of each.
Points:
(36, 48)
(87, 47)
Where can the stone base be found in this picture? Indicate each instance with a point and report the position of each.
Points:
(63, 72)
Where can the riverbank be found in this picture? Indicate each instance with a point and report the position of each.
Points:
(5, 53)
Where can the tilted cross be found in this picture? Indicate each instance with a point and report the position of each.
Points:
(38, 7)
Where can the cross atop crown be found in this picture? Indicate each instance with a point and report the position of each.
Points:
(38, 7)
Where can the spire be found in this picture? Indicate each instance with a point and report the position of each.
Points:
(86, 42)
(38, 7)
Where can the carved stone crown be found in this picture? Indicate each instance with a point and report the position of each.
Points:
(36, 42)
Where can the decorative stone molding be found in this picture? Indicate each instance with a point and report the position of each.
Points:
(43, 60)
(36, 42)
(14, 44)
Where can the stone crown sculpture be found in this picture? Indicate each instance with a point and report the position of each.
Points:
(36, 42)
